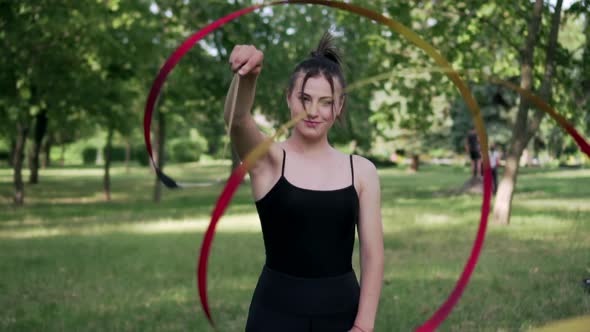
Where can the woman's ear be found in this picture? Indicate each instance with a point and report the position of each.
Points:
(288, 99)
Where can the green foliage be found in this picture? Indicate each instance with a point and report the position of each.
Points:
(90, 64)
(89, 155)
(118, 153)
(4, 155)
(183, 150)
(497, 106)
(141, 155)
(187, 149)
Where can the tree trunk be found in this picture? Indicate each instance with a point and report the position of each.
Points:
(523, 131)
(583, 100)
(62, 158)
(107, 165)
(127, 155)
(18, 156)
(40, 129)
(415, 164)
(546, 84)
(159, 154)
(505, 192)
(46, 153)
(12, 153)
(503, 203)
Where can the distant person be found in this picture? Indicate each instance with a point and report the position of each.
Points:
(472, 149)
(394, 158)
(494, 161)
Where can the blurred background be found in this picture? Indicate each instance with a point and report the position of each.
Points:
(84, 247)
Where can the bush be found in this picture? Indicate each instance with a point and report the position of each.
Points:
(4, 155)
(178, 150)
(184, 150)
(89, 155)
(140, 154)
(117, 153)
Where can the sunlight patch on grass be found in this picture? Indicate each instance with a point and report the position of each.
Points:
(69, 172)
(32, 233)
(539, 220)
(557, 204)
(563, 174)
(434, 219)
(427, 274)
(97, 197)
(555, 230)
(170, 295)
(32, 221)
(240, 223)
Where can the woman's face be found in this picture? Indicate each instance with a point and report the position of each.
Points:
(321, 105)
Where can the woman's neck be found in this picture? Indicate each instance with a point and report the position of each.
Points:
(310, 148)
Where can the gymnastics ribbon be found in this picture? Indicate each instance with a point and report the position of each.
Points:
(238, 174)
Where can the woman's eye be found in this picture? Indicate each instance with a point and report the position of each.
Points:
(327, 103)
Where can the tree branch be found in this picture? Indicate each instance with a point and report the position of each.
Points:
(550, 50)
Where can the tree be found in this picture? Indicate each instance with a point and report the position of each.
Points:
(38, 71)
(160, 152)
(118, 48)
(38, 134)
(525, 128)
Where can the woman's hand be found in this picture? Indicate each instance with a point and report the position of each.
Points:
(246, 60)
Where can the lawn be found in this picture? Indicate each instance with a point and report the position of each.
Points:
(72, 262)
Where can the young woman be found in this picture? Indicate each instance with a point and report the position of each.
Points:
(309, 197)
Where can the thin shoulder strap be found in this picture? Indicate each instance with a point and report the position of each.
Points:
(352, 170)
(283, 169)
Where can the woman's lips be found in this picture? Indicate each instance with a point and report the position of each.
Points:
(311, 124)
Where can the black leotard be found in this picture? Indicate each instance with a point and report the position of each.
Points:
(309, 233)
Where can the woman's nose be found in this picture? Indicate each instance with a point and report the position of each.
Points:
(313, 110)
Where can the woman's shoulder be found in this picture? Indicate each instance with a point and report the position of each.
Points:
(365, 173)
(364, 165)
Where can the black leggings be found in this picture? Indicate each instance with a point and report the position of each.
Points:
(285, 303)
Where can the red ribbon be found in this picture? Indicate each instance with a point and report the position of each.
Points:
(237, 176)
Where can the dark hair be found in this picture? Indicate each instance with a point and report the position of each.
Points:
(325, 61)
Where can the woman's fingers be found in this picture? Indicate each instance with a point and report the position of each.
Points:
(238, 61)
(233, 58)
(254, 63)
(246, 59)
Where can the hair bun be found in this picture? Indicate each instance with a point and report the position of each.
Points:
(327, 49)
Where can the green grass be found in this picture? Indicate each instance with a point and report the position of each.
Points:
(71, 262)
